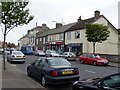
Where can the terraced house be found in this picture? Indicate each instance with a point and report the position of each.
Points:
(75, 39)
(52, 39)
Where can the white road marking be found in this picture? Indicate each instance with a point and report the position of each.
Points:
(90, 71)
(12, 64)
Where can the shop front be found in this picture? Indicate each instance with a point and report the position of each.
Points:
(77, 48)
(57, 46)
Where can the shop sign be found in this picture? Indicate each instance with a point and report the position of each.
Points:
(74, 44)
(49, 43)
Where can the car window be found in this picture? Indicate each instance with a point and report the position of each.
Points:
(36, 63)
(17, 53)
(88, 55)
(58, 62)
(112, 82)
(41, 62)
(96, 56)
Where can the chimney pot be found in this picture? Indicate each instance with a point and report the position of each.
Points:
(79, 19)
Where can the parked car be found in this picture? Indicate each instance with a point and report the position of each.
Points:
(69, 55)
(51, 53)
(110, 82)
(53, 70)
(93, 59)
(26, 49)
(39, 53)
(16, 56)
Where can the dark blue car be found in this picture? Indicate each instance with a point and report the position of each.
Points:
(53, 70)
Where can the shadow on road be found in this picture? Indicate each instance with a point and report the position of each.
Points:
(54, 87)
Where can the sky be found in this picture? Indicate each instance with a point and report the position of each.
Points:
(63, 11)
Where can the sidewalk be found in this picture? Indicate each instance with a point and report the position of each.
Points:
(13, 79)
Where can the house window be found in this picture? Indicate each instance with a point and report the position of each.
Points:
(44, 40)
(68, 35)
(37, 41)
(40, 39)
(77, 34)
(50, 38)
(60, 36)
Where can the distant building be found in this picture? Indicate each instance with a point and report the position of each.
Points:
(52, 39)
(29, 38)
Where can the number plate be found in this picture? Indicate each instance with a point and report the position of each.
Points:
(18, 56)
(67, 72)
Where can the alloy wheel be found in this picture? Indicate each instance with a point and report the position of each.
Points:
(43, 82)
(94, 63)
(28, 72)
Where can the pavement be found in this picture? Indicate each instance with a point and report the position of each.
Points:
(12, 78)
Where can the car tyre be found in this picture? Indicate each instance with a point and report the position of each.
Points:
(94, 63)
(81, 61)
(43, 82)
(23, 62)
(28, 72)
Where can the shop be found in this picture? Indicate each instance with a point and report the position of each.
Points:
(77, 48)
(57, 46)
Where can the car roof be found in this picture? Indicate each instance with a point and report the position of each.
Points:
(16, 51)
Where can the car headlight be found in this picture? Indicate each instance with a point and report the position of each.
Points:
(75, 82)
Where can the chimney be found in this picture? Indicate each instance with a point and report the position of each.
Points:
(97, 14)
(58, 25)
(79, 19)
(44, 25)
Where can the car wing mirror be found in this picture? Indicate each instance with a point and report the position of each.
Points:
(32, 63)
(103, 87)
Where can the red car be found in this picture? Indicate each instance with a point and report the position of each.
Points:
(93, 59)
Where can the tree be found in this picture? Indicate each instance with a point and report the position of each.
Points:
(96, 33)
(13, 14)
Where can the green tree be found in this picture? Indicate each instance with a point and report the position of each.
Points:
(96, 33)
(13, 14)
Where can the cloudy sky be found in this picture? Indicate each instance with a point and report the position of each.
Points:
(63, 11)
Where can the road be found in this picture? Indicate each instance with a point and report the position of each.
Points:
(86, 71)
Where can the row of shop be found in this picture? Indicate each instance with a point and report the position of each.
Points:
(61, 47)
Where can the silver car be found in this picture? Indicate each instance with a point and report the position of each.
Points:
(51, 53)
(39, 53)
(16, 56)
(69, 55)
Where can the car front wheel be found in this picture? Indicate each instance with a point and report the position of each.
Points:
(28, 72)
(94, 63)
(43, 81)
(81, 61)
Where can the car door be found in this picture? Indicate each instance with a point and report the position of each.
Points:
(33, 68)
(39, 68)
(89, 59)
(85, 58)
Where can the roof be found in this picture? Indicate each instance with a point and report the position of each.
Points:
(119, 30)
(56, 30)
(81, 24)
